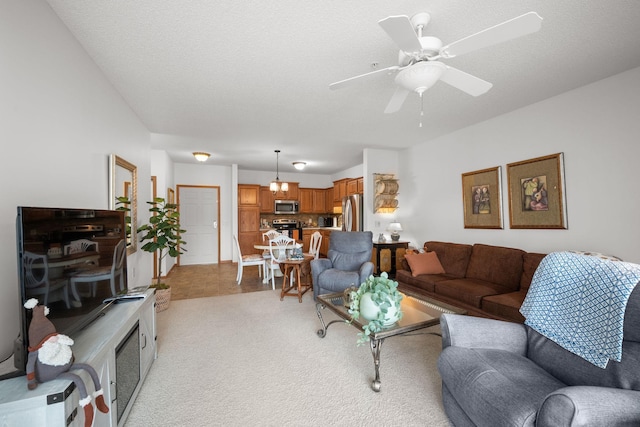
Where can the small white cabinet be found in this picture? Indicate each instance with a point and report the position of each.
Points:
(55, 403)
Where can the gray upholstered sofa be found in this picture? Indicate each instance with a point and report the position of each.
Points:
(348, 262)
(496, 373)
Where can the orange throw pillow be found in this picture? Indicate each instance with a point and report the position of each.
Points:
(425, 263)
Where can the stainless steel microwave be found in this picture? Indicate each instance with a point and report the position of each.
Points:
(286, 207)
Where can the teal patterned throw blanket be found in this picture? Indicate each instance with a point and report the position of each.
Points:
(578, 301)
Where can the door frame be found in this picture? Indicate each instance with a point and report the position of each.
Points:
(154, 194)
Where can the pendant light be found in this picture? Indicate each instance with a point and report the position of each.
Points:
(276, 185)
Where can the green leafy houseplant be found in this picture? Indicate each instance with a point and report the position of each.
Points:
(378, 301)
(162, 234)
(124, 204)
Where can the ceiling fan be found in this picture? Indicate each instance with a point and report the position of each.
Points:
(419, 67)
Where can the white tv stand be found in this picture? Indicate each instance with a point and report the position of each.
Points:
(55, 403)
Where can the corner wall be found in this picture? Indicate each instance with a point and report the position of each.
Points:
(595, 126)
(61, 120)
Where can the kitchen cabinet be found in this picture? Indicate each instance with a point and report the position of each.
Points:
(306, 200)
(339, 191)
(328, 201)
(355, 186)
(266, 200)
(319, 197)
(248, 195)
(248, 228)
(291, 194)
(352, 186)
(267, 197)
(248, 217)
(313, 200)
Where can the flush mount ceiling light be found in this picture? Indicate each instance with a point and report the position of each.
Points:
(201, 156)
(276, 185)
(299, 165)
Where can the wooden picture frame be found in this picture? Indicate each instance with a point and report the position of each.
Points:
(481, 198)
(171, 196)
(537, 193)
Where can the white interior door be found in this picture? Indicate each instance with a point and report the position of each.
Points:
(199, 216)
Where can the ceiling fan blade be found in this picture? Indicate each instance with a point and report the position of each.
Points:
(465, 82)
(520, 26)
(346, 82)
(396, 101)
(401, 31)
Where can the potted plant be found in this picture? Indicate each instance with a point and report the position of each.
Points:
(378, 301)
(162, 234)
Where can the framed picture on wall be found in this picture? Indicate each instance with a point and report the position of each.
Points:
(536, 193)
(481, 198)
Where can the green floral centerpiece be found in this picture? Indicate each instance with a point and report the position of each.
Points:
(378, 301)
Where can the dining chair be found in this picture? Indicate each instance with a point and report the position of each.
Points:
(37, 281)
(80, 245)
(314, 245)
(100, 273)
(278, 247)
(271, 234)
(248, 260)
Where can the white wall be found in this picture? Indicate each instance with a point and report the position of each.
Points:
(597, 129)
(60, 120)
(305, 180)
(378, 161)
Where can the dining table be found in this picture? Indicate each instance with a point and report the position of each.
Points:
(58, 264)
(264, 246)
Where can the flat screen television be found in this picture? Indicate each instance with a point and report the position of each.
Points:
(64, 242)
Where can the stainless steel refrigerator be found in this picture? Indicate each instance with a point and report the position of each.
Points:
(352, 213)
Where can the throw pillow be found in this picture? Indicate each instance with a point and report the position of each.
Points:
(424, 263)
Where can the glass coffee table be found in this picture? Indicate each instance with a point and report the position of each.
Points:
(418, 313)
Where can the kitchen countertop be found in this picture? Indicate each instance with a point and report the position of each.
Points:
(262, 229)
(322, 228)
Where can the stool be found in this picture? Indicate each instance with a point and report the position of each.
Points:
(296, 269)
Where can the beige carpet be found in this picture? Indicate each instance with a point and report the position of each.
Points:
(250, 359)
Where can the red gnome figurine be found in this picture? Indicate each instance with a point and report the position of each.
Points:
(50, 357)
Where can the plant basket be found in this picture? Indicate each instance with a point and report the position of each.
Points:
(163, 298)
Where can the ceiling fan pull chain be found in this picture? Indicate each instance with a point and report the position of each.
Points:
(421, 108)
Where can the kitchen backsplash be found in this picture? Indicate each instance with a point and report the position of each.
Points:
(309, 220)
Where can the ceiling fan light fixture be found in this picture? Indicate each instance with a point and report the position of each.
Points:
(201, 156)
(299, 165)
(421, 76)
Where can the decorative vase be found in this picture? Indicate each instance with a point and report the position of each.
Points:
(370, 310)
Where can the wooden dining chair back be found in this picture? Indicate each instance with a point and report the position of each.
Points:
(314, 245)
(246, 261)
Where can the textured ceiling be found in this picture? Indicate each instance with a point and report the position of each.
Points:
(240, 79)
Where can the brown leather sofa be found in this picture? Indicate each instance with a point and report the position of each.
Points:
(487, 281)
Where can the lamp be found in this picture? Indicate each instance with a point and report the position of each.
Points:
(395, 228)
(299, 165)
(201, 156)
(276, 185)
(420, 76)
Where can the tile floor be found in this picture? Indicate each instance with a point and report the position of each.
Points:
(197, 281)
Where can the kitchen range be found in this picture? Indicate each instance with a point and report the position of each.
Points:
(288, 227)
